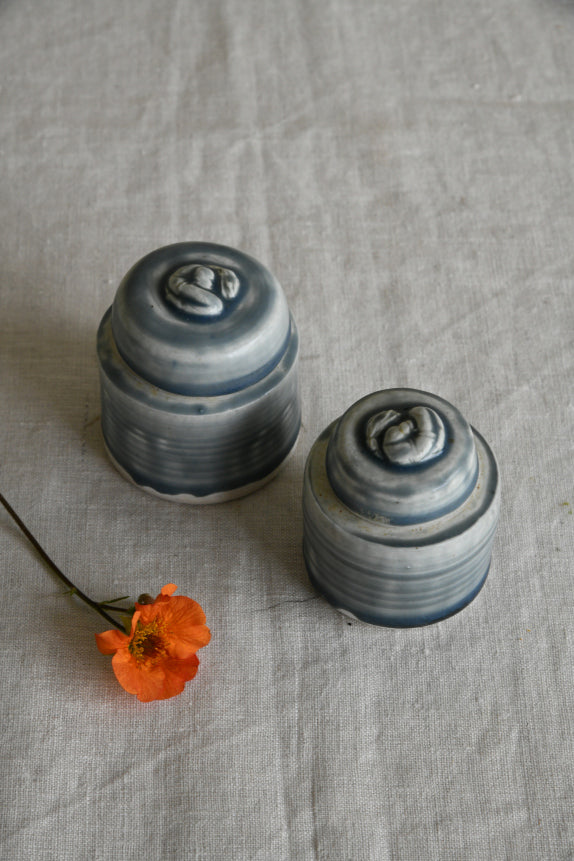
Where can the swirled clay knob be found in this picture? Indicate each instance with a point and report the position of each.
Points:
(198, 371)
(414, 437)
(400, 503)
(193, 289)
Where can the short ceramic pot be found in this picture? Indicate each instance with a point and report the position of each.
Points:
(401, 501)
(198, 374)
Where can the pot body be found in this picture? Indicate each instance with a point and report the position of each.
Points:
(226, 416)
(363, 552)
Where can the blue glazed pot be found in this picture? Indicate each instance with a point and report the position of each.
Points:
(198, 374)
(400, 503)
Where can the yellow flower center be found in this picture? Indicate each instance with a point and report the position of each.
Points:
(148, 642)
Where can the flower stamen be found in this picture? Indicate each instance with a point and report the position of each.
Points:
(148, 642)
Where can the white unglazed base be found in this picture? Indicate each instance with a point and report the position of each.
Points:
(212, 498)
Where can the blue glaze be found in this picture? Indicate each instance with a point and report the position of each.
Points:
(419, 621)
(193, 355)
(374, 486)
(229, 436)
(401, 447)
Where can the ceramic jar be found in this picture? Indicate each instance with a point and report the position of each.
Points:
(198, 374)
(400, 502)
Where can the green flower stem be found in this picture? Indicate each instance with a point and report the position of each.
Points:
(93, 604)
(129, 610)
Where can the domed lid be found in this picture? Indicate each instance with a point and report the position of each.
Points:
(197, 318)
(403, 455)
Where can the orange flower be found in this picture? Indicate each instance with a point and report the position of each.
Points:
(157, 657)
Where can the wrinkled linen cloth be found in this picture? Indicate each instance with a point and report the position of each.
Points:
(405, 170)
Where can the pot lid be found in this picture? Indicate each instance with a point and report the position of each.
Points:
(196, 318)
(403, 455)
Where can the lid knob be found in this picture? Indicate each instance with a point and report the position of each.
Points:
(414, 436)
(202, 291)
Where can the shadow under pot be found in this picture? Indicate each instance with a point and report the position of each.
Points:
(400, 504)
(198, 374)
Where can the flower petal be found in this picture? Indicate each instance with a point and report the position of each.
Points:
(160, 682)
(110, 641)
(169, 589)
(185, 621)
(185, 669)
(163, 597)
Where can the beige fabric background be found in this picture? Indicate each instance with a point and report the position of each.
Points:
(406, 170)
